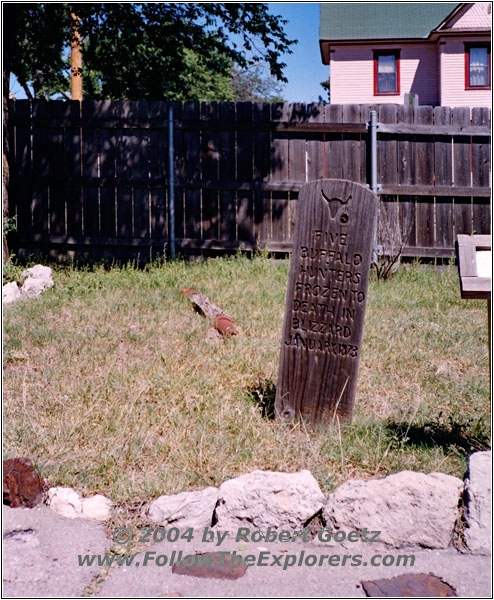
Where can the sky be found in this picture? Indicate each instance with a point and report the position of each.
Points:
(304, 69)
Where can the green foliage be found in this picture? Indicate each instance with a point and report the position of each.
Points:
(154, 51)
(327, 88)
(10, 271)
(9, 224)
(36, 56)
(255, 85)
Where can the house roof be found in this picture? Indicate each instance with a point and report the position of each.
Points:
(381, 20)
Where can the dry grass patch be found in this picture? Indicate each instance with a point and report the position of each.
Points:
(110, 387)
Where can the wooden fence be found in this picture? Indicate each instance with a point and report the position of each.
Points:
(92, 177)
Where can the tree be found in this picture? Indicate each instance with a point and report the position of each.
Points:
(11, 13)
(145, 50)
(326, 85)
(136, 51)
(255, 84)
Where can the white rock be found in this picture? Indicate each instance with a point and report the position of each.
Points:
(38, 279)
(187, 509)
(408, 508)
(96, 507)
(65, 501)
(478, 485)
(263, 499)
(39, 272)
(10, 292)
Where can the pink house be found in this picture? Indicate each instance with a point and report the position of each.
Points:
(378, 52)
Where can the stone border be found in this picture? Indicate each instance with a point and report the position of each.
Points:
(408, 509)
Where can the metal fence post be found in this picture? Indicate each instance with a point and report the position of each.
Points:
(171, 185)
(373, 175)
(373, 145)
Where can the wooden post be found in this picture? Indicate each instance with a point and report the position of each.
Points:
(325, 306)
(75, 59)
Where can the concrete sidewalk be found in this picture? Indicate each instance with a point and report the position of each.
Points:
(41, 552)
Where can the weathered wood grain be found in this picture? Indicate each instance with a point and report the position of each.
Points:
(210, 172)
(192, 170)
(102, 172)
(472, 283)
(244, 166)
(325, 305)
(226, 148)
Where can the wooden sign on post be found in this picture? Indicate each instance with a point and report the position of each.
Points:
(474, 265)
(475, 268)
(325, 305)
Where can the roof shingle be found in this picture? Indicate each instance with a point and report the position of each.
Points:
(381, 20)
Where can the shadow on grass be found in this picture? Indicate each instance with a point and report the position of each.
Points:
(263, 395)
(446, 435)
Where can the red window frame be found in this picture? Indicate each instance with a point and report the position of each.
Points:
(396, 54)
(469, 45)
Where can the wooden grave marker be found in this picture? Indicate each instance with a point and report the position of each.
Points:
(325, 304)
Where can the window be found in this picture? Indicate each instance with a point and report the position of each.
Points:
(477, 66)
(386, 72)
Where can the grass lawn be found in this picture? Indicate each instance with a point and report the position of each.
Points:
(110, 387)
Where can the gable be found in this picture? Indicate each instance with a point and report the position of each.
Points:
(341, 21)
(472, 16)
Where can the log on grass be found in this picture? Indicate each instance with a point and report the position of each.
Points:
(221, 321)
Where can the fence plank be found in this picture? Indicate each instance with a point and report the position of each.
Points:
(296, 159)
(481, 150)
(407, 209)
(90, 168)
(179, 160)
(227, 208)
(261, 170)
(315, 143)
(210, 172)
(244, 168)
(192, 172)
(57, 166)
(74, 158)
(461, 148)
(387, 154)
(404, 147)
(481, 216)
(333, 113)
(123, 169)
(352, 158)
(481, 168)
(108, 144)
(140, 172)
(279, 173)
(443, 175)
(102, 173)
(463, 212)
(280, 111)
(444, 236)
(443, 164)
(424, 148)
(41, 168)
(158, 169)
(21, 187)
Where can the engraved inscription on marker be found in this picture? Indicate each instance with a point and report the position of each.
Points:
(325, 306)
